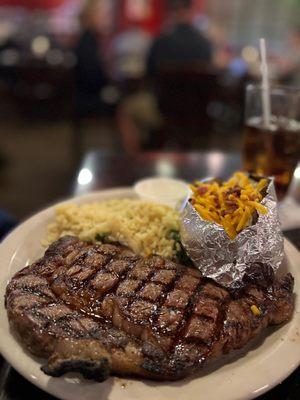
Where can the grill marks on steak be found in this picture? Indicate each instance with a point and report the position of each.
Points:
(99, 309)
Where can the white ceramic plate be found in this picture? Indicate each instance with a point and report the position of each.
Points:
(263, 364)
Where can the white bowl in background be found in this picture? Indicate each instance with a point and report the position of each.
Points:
(167, 191)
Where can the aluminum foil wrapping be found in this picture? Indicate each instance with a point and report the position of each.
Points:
(225, 260)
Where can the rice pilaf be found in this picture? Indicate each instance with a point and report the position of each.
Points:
(140, 225)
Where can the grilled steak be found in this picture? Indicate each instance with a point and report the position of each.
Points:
(101, 310)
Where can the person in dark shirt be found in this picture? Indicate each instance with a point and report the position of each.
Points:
(90, 73)
(181, 43)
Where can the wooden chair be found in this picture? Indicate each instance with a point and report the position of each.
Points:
(185, 94)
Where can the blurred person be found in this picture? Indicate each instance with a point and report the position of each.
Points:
(288, 65)
(90, 73)
(181, 43)
(129, 51)
(222, 51)
(139, 115)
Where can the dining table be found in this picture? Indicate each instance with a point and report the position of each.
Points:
(101, 170)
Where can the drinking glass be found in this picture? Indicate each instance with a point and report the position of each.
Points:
(272, 147)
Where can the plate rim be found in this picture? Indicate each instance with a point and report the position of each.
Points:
(89, 197)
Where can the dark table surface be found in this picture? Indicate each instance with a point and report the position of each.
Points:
(101, 170)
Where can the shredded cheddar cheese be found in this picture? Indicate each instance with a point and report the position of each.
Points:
(231, 204)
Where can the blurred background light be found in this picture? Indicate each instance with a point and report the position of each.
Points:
(250, 54)
(297, 172)
(164, 168)
(55, 57)
(9, 57)
(40, 45)
(85, 176)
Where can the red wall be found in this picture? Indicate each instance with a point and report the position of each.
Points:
(151, 22)
(32, 3)
(156, 11)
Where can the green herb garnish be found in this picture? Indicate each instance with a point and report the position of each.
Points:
(181, 254)
(103, 237)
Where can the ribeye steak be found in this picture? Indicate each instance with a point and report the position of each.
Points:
(101, 310)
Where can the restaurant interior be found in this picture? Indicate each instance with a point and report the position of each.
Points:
(64, 92)
(101, 93)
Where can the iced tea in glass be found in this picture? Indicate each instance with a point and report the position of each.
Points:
(272, 149)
